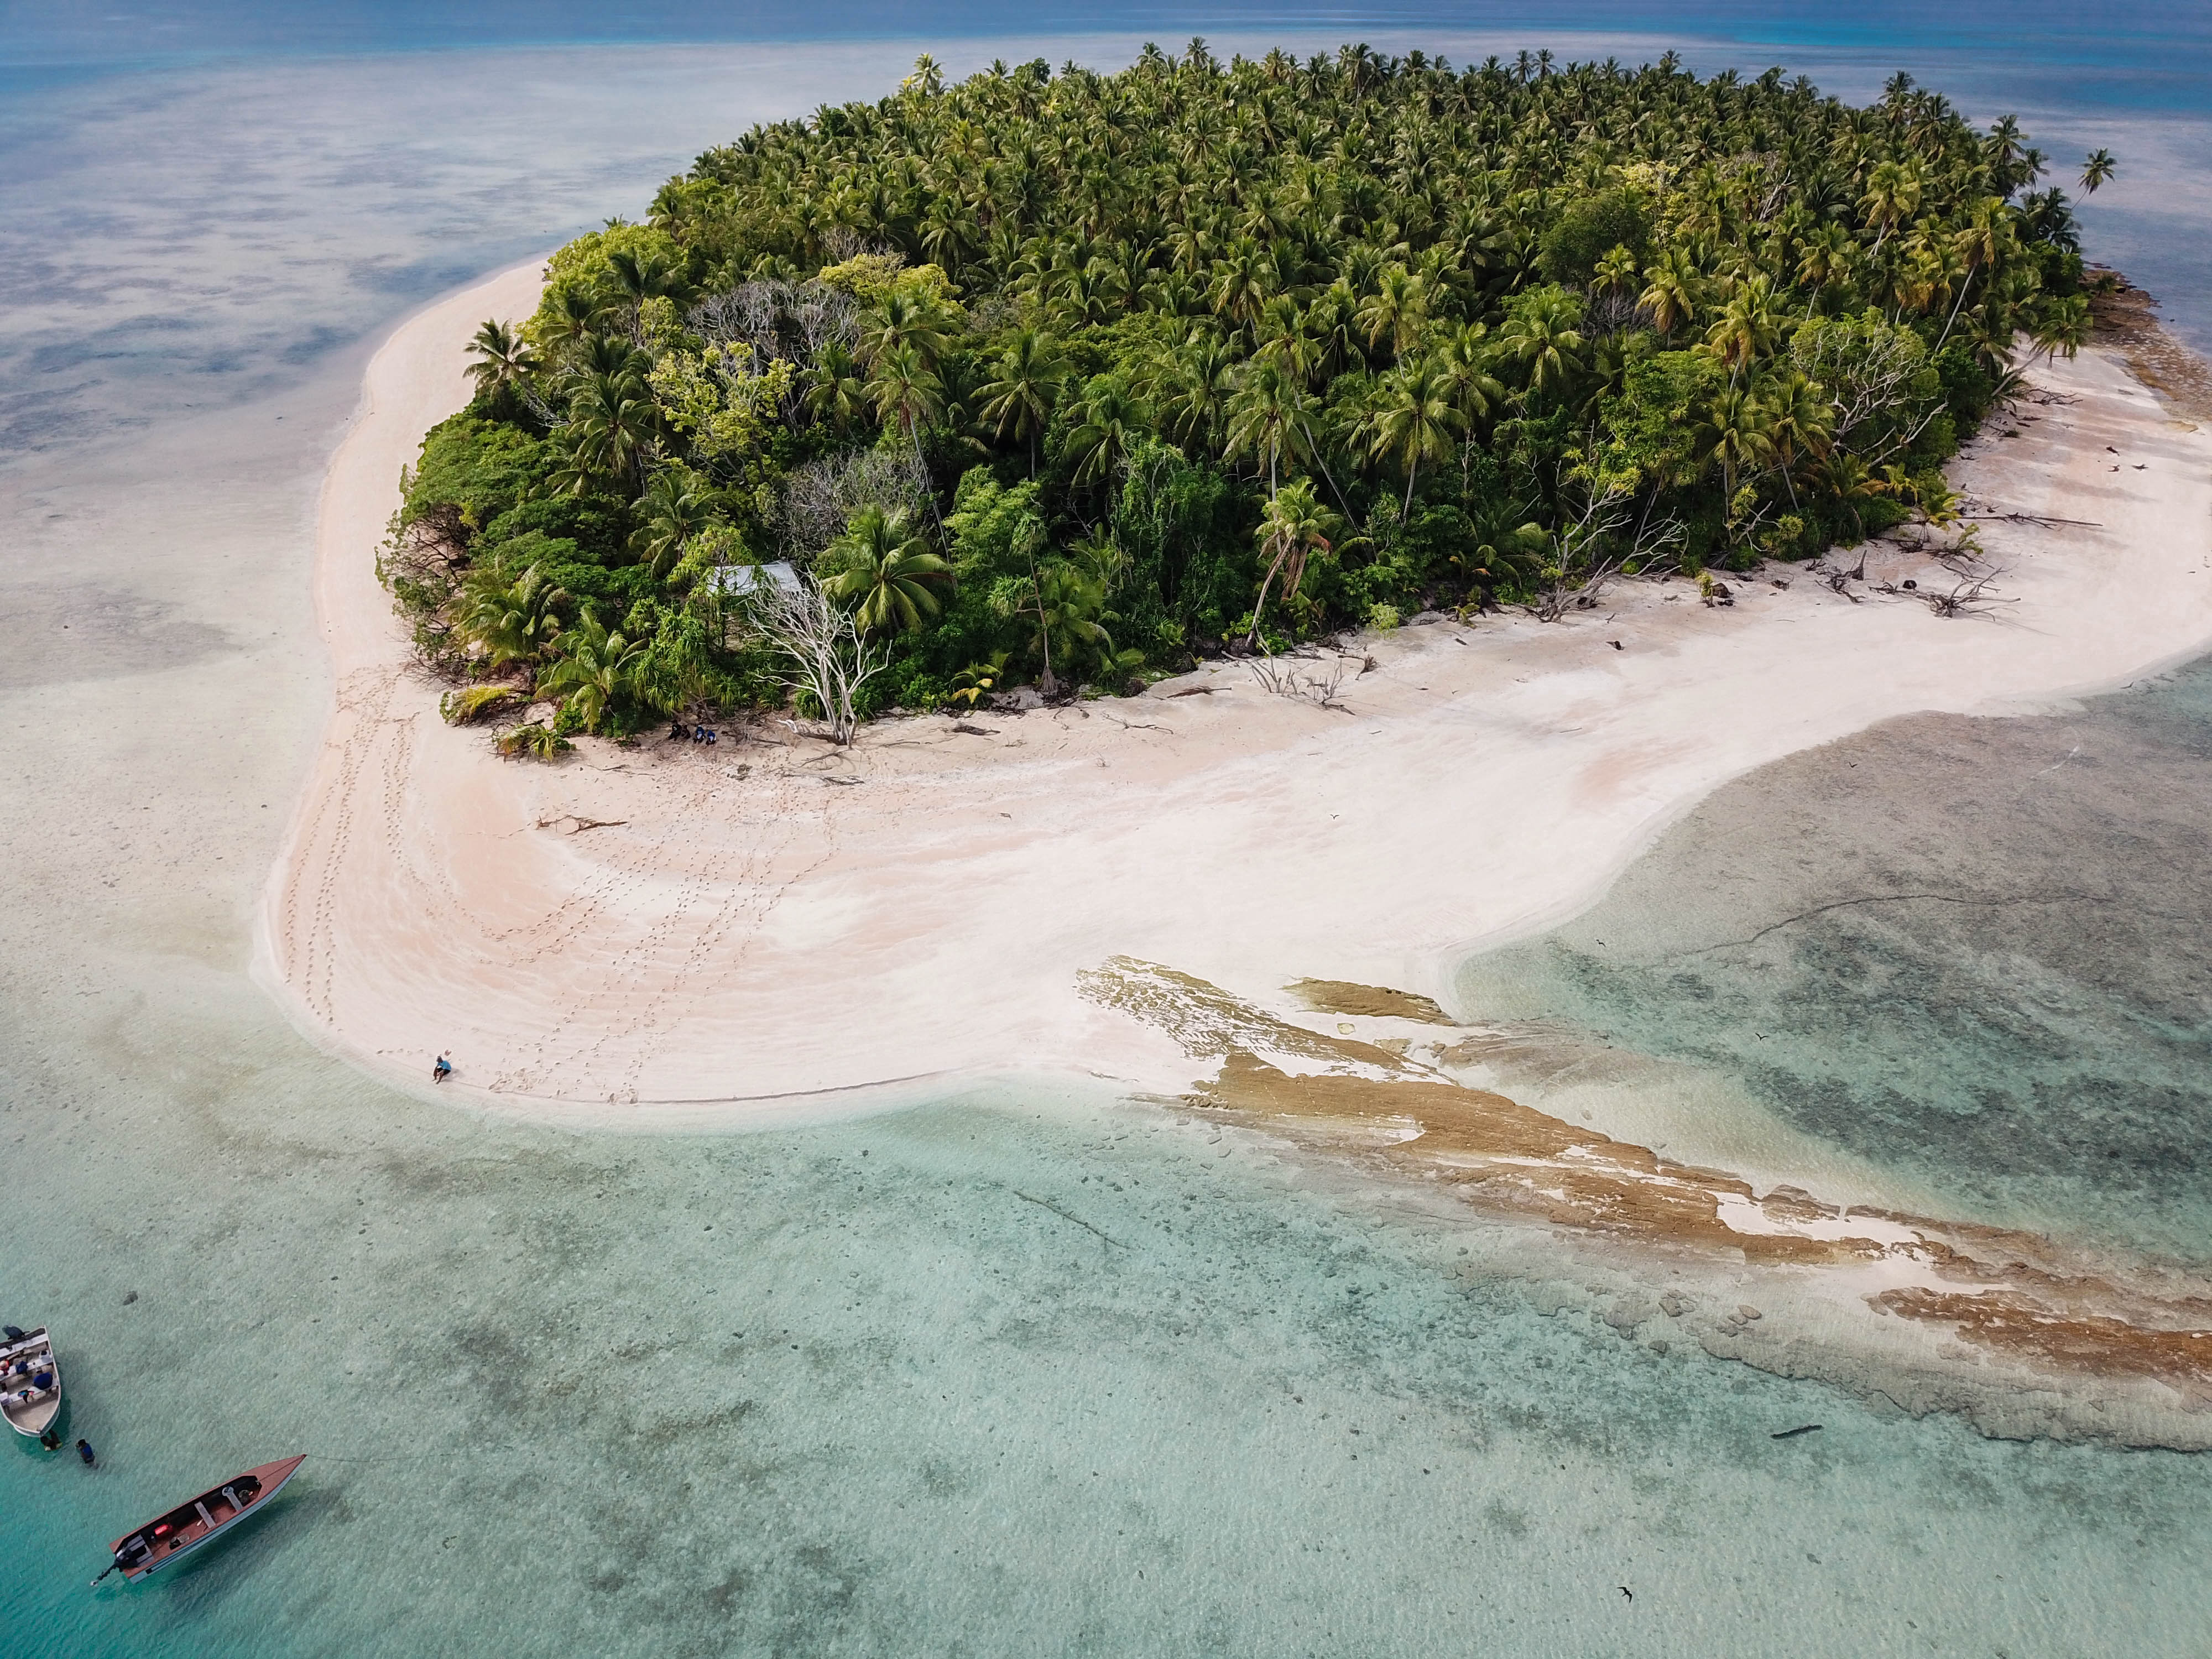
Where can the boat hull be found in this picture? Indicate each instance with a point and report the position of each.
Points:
(270, 1479)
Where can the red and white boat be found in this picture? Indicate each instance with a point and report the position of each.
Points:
(171, 1537)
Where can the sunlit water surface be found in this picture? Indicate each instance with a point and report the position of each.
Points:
(999, 1375)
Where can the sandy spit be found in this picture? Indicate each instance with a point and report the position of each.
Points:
(670, 935)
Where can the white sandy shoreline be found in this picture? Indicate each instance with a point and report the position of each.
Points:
(750, 944)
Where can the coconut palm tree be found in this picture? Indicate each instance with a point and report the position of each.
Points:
(906, 321)
(1068, 604)
(1734, 433)
(889, 576)
(1823, 261)
(2062, 326)
(508, 619)
(1542, 337)
(1243, 279)
(905, 391)
(1415, 419)
(1291, 527)
(2098, 170)
(1018, 401)
(1111, 421)
(1395, 311)
(504, 363)
(1799, 423)
(1746, 328)
(569, 315)
(1462, 358)
(613, 428)
(835, 394)
(1893, 196)
(1270, 418)
(643, 277)
(676, 505)
(1616, 270)
(597, 672)
(1673, 291)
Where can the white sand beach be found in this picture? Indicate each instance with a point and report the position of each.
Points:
(669, 934)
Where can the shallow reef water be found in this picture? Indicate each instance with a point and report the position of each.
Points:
(1969, 951)
(992, 1376)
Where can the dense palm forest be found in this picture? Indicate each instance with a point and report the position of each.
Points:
(1063, 378)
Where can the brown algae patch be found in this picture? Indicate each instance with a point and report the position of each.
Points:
(1339, 996)
(2018, 1327)
(2014, 1329)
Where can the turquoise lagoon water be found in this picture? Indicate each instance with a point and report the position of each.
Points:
(1969, 948)
(1035, 1371)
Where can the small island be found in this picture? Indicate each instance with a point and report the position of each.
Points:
(1067, 381)
(1510, 421)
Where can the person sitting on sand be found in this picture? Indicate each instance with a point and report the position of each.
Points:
(442, 1070)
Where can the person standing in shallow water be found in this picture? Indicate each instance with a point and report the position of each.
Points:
(442, 1070)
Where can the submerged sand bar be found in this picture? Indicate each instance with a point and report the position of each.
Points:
(771, 925)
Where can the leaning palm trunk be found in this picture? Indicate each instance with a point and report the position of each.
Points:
(1284, 548)
(1291, 553)
(830, 660)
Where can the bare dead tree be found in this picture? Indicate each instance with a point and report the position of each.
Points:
(825, 314)
(777, 319)
(744, 315)
(1838, 580)
(1588, 553)
(829, 659)
(843, 242)
(1865, 382)
(1613, 310)
(1281, 679)
(1969, 595)
(820, 497)
(534, 400)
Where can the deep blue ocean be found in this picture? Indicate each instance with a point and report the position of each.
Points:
(857, 1389)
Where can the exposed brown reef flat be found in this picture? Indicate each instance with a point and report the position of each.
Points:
(2127, 317)
(2003, 1316)
(1336, 996)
